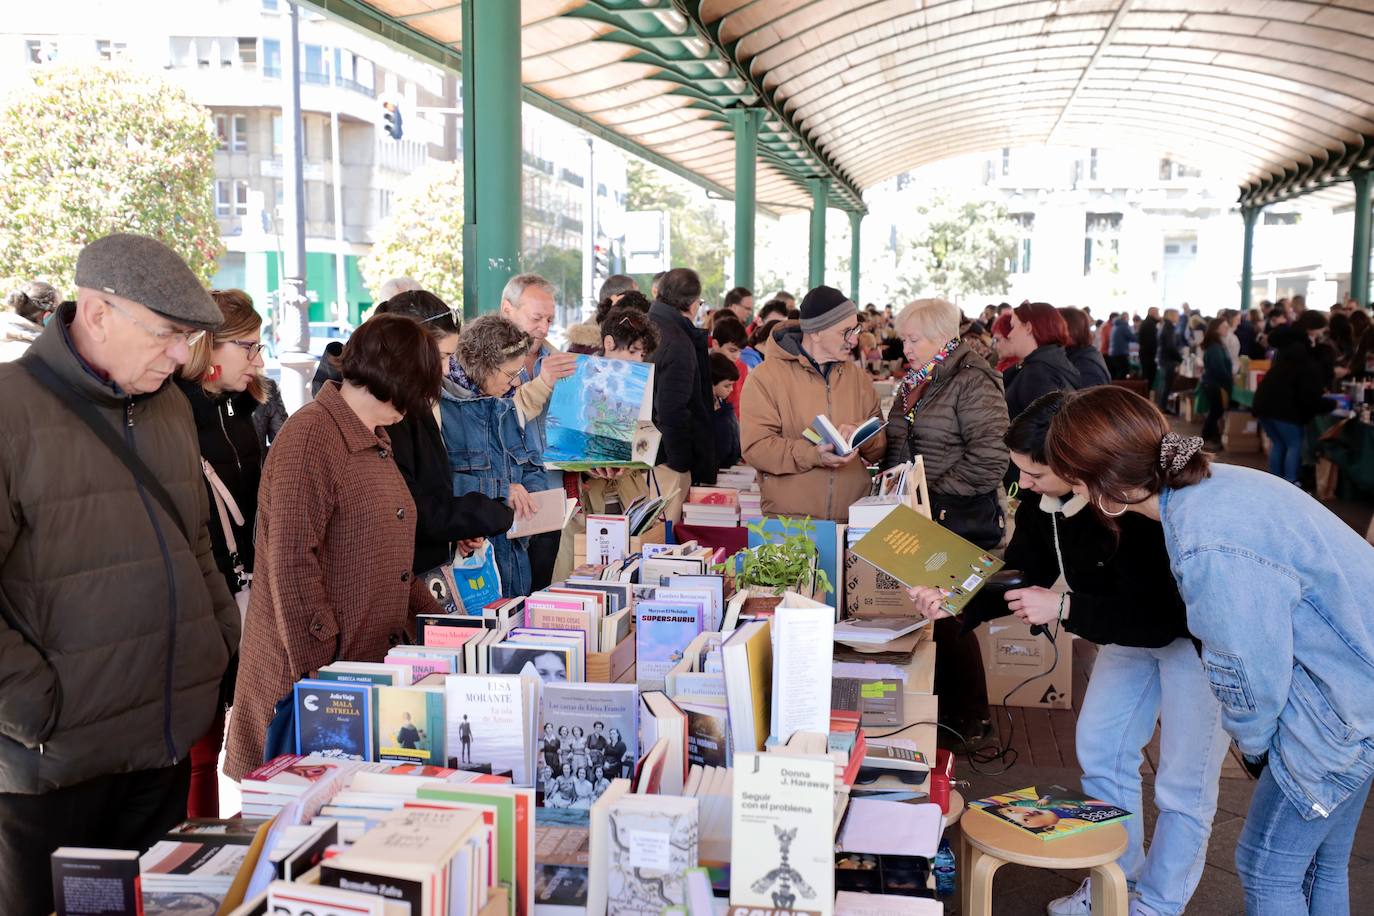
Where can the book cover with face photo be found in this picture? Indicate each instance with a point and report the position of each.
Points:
(552, 664)
(439, 583)
(486, 723)
(334, 719)
(410, 725)
(588, 737)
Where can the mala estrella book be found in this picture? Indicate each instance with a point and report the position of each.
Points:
(917, 551)
(1052, 813)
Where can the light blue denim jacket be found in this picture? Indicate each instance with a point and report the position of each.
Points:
(488, 450)
(1281, 594)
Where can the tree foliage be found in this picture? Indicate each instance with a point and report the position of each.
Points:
(954, 247)
(423, 235)
(560, 266)
(698, 237)
(93, 149)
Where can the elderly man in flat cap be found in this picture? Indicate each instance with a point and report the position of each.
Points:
(115, 625)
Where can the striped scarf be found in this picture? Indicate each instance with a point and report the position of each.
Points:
(916, 378)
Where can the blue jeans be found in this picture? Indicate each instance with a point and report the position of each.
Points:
(1290, 866)
(1285, 448)
(1129, 690)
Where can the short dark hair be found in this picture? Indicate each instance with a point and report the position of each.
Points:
(723, 368)
(423, 306)
(633, 299)
(728, 329)
(1310, 321)
(773, 306)
(763, 332)
(737, 295)
(396, 360)
(1080, 329)
(679, 288)
(627, 326)
(794, 314)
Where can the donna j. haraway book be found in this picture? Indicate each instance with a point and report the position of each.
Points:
(1050, 813)
(596, 414)
(334, 719)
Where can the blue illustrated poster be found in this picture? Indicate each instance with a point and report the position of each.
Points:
(334, 719)
(829, 556)
(595, 414)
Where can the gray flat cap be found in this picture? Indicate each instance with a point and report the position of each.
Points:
(148, 272)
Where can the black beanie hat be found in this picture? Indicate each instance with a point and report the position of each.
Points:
(825, 307)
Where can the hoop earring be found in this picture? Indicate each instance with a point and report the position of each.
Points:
(1117, 514)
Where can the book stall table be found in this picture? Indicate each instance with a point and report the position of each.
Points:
(986, 844)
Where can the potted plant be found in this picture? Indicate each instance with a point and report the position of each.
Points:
(778, 564)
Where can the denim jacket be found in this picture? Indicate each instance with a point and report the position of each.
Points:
(1281, 601)
(488, 450)
(538, 425)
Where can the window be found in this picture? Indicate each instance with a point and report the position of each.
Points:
(1021, 257)
(41, 51)
(269, 6)
(1281, 219)
(238, 136)
(315, 69)
(222, 130)
(248, 52)
(1092, 164)
(240, 198)
(1006, 161)
(271, 58)
(231, 197)
(1101, 243)
(571, 178)
(111, 50)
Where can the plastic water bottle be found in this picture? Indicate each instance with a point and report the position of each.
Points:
(944, 870)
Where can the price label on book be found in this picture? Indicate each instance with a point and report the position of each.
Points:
(650, 849)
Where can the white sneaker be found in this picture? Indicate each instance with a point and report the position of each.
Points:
(1079, 903)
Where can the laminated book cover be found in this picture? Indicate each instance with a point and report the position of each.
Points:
(917, 551)
(410, 725)
(653, 841)
(334, 719)
(708, 733)
(1051, 813)
(595, 415)
(485, 717)
(663, 630)
(588, 736)
(782, 847)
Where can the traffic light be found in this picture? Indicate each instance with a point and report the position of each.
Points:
(391, 119)
(601, 262)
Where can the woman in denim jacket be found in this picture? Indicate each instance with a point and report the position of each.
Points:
(1281, 605)
(489, 449)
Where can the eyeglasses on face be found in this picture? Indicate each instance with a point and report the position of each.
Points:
(166, 336)
(251, 347)
(851, 334)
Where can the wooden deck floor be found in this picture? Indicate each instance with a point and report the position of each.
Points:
(1045, 737)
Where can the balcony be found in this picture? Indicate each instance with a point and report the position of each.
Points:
(314, 78)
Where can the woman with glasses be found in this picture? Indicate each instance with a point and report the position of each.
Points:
(490, 450)
(223, 381)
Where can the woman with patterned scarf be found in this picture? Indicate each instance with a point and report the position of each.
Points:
(950, 410)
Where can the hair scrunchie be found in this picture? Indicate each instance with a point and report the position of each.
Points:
(1176, 451)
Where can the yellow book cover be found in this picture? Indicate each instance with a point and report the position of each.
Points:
(917, 551)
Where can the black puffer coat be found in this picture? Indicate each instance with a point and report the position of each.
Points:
(960, 421)
(1046, 369)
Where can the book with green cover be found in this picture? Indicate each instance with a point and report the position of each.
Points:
(919, 552)
(1051, 814)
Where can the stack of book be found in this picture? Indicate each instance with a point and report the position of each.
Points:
(713, 507)
(739, 477)
(750, 505)
(293, 778)
(200, 857)
(712, 787)
(868, 512)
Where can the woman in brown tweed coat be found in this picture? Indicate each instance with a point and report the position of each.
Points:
(335, 531)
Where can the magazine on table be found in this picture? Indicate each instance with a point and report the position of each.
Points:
(1051, 812)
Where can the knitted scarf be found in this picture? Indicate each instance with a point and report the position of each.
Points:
(916, 378)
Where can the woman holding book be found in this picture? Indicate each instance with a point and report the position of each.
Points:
(335, 532)
(442, 520)
(950, 410)
(1282, 614)
(1122, 597)
(490, 450)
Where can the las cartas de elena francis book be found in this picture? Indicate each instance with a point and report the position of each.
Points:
(588, 737)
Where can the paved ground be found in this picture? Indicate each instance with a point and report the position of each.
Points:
(1046, 746)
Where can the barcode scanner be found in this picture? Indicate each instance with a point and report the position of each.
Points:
(1004, 581)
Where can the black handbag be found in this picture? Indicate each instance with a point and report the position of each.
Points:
(978, 519)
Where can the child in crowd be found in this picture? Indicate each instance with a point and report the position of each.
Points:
(724, 376)
(730, 338)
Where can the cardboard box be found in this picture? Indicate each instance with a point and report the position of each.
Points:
(869, 592)
(1240, 433)
(1011, 655)
(610, 667)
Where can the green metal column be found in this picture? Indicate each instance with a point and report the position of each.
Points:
(855, 220)
(745, 123)
(1249, 214)
(819, 188)
(1359, 259)
(491, 151)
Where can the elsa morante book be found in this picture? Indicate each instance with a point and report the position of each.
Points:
(1050, 813)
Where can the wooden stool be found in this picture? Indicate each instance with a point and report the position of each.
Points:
(986, 844)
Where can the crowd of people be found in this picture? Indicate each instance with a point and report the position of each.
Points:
(175, 546)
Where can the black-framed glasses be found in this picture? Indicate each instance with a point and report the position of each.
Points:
(852, 334)
(251, 347)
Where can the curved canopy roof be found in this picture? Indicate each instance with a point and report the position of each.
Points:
(1277, 94)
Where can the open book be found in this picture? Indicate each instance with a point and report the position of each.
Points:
(553, 510)
(822, 430)
(602, 416)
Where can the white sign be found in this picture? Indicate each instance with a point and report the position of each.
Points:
(647, 242)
